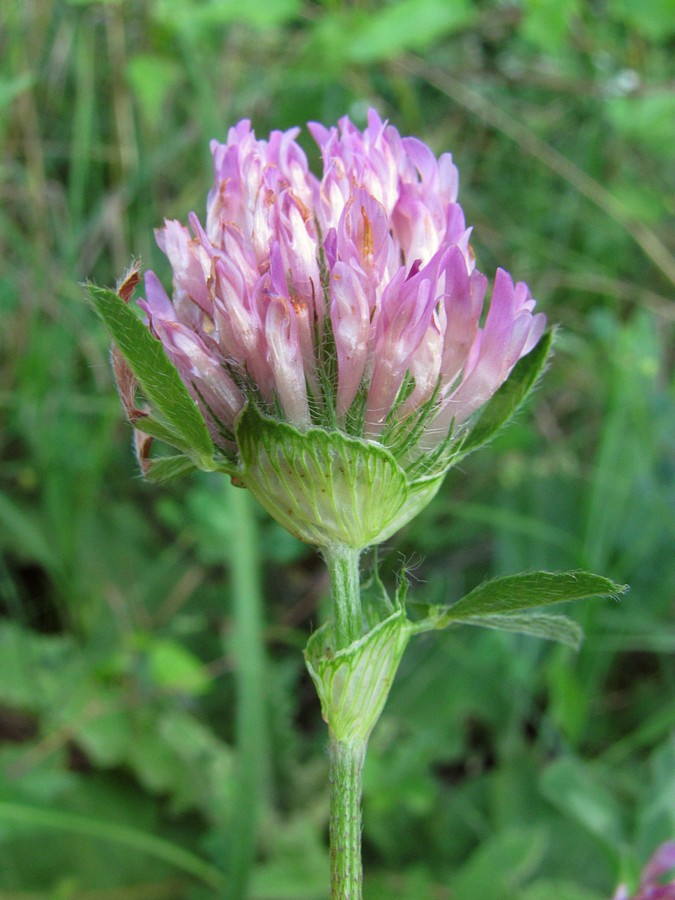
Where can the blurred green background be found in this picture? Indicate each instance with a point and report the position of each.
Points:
(503, 767)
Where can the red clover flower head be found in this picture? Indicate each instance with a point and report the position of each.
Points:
(371, 264)
(348, 306)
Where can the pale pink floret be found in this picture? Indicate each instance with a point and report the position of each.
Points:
(408, 304)
(350, 319)
(198, 365)
(375, 257)
(510, 332)
(190, 265)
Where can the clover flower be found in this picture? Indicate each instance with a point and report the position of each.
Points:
(370, 265)
(347, 306)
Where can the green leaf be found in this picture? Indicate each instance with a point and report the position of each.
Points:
(585, 792)
(648, 120)
(518, 592)
(174, 668)
(12, 87)
(163, 432)
(504, 596)
(509, 397)
(25, 534)
(552, 628)
(168, 468)
(295, 865)
(104, 737)
(157, 376)
(33, 667)
(548, 23)
(653, 19)
(387, 32)
(501, 865)
(203, 18)
(152, 78)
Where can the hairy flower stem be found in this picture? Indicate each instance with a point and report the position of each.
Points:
(343, 568)
(346, 758)
(346, 771)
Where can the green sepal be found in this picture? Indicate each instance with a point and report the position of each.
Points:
(353, 684)
(326, 487)
(157, 377)
(510, 396)
(500, 602)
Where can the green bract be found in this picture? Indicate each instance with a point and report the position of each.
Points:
(353, 684)
(324, 486)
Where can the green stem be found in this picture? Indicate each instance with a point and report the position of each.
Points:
(343, 568)
(346, 771)
(346, 759)
(248, 650)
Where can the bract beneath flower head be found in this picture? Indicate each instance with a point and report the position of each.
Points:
(349, 303)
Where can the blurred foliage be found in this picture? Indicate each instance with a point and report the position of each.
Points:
(502, 768)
